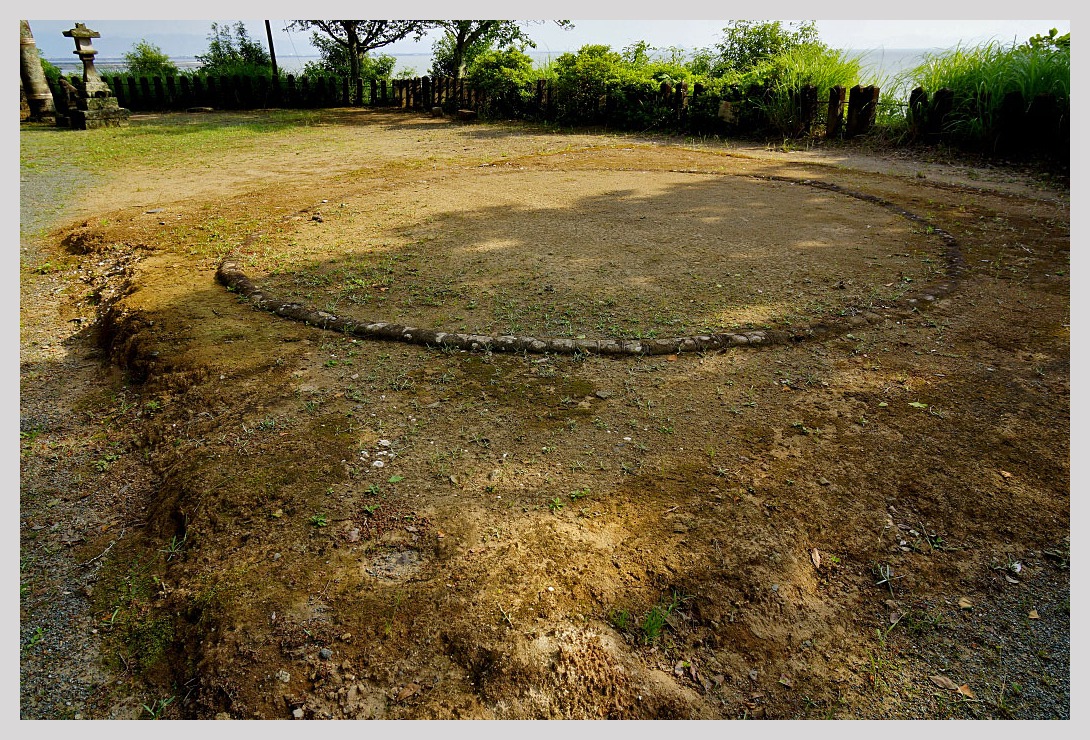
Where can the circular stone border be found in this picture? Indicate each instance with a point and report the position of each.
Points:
(230, 274)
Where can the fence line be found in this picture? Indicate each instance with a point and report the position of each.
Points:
(1040, 125)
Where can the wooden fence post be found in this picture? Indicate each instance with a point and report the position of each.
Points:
(834, 123)
(145, 94)
(116, 86)
(862, 108)
(917, 112)
(869, 114)
(290, 95)
(245, 86)
(942, 103)
(1010, 126)
(681, 101)
(261, 91)
(1044, 125)
(187, 92)
(172, 91)
(807, 108)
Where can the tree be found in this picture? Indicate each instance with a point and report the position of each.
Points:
(355, 39)
(745, 44)
(464, 40)
(1053, 41)
(231, 51)
(145, 59)
(505, 75)
(334, 60)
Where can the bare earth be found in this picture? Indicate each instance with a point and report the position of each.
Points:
(865, 516)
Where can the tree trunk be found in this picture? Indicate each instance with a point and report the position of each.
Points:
(353, 52)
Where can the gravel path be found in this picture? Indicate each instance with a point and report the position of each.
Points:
(63, 505)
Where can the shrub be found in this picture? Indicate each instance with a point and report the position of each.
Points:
(231, 51)
(52, 71)
(145, 59)
(981, 76)
(583, 79)
(747, 44)
(334, 60)
(786, 73)
(505, 76)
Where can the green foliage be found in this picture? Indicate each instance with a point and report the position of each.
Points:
(464, 40)
(149, 639)
(582, 78)
(747, 44)
(231, 51)
(598, 84)
(52, 71)
(1052, 41)
(145, 59)
(444, 55)
(344, 45)
(506, 77)
(158, 706)
(981, 76)
(335, 61)
(784, 74)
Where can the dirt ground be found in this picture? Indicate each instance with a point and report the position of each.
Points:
(228, 514)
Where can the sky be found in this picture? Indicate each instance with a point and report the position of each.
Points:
(841, 25)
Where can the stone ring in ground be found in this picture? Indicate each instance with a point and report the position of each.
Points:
(230, 273)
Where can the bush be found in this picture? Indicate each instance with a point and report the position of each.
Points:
(505, 76)
(231, 51)
(148, 60)
(981, 76)
(747, 44)
(334, 60)
(786, 73)
(52, 72)
(583, 78)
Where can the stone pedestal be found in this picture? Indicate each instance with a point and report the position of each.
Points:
(89, 103)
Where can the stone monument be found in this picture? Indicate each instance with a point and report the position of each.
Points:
(32, 77)
(90, 104)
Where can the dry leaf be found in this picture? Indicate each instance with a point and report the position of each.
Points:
(944, 683)
(895, 617)
(965, 691)
(671, 358)
(1010, 580)
(408, 691)
(1033, 614)
(1005, 474)
(964, 603)
(815, 558)
(786, 681)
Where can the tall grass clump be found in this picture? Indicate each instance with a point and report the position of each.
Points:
(786, 73)
(981, 76)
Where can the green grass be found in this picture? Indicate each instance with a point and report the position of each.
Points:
(980, 76)
(809, 64)
(167, 139)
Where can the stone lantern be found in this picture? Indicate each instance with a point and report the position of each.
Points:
(90, 102)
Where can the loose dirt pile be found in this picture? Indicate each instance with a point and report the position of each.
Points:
(226, 513)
